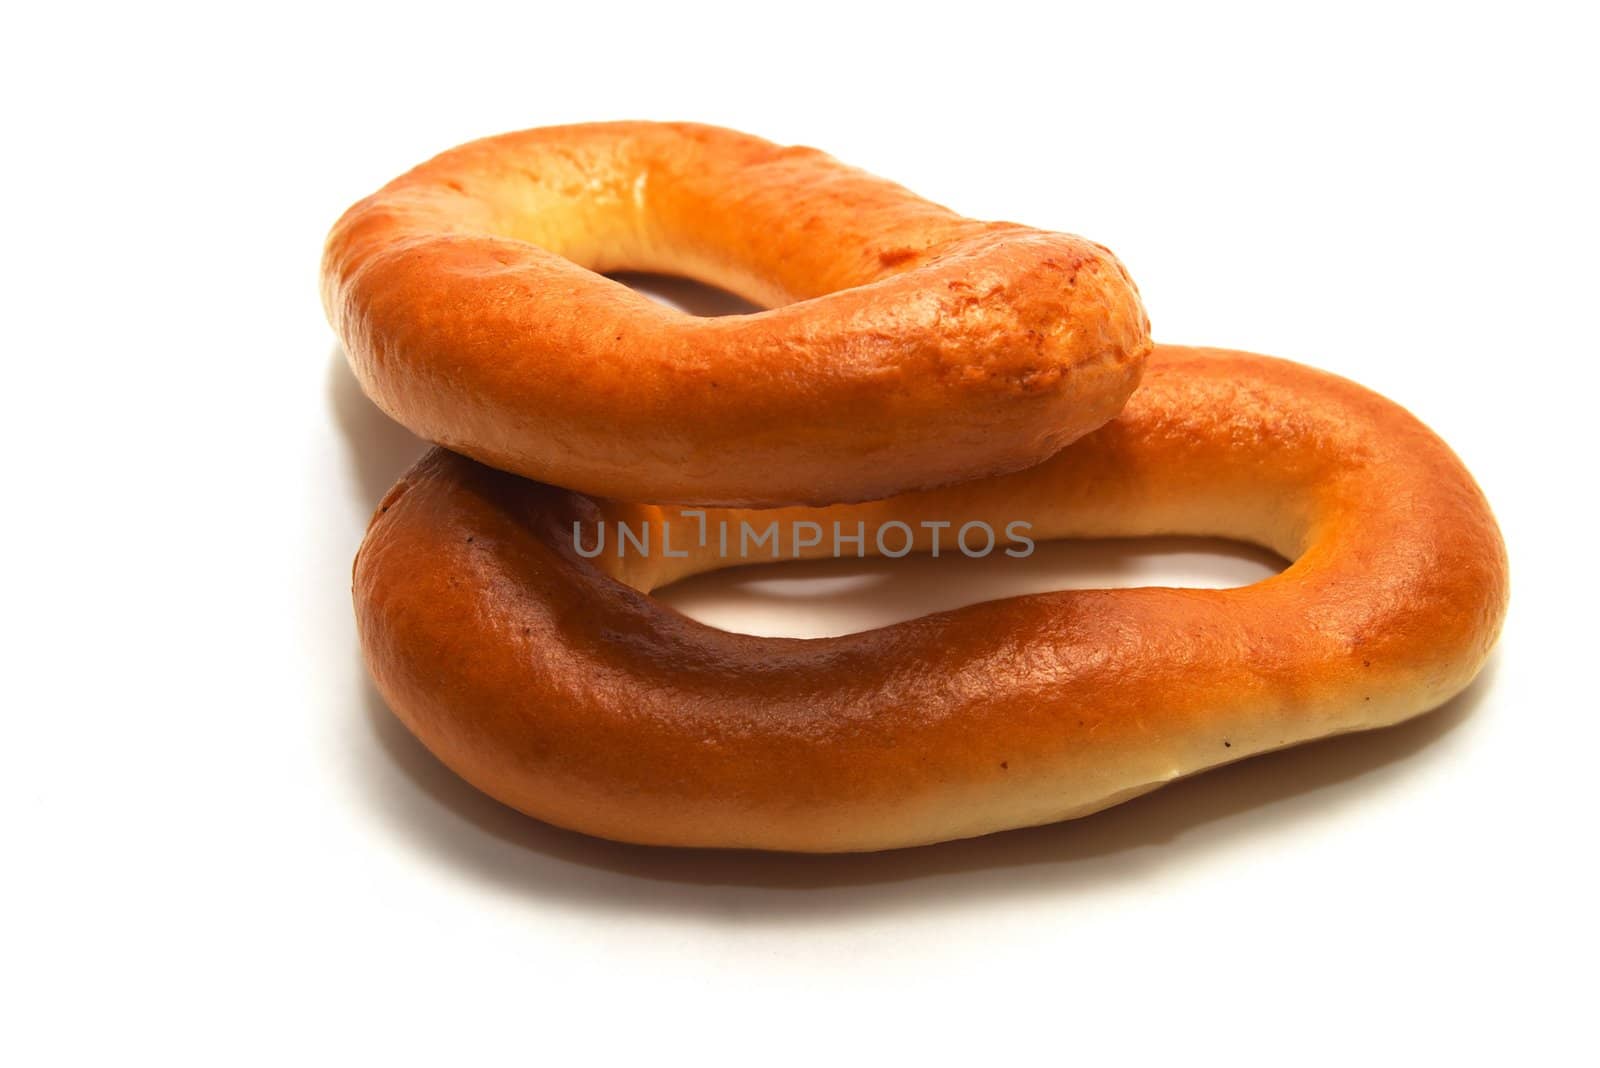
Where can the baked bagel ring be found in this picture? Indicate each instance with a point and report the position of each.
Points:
(554, 683)
(906, 347)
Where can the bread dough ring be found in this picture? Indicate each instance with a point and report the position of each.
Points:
(556, 684)
(906, 346)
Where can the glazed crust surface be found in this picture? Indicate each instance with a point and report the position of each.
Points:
(557, 684)
(905, 346)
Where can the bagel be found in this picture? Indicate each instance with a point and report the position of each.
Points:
(555, 683)
(905, 346)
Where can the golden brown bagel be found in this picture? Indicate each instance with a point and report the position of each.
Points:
(913, 347)
(559, 686)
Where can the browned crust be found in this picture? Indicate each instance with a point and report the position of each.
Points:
(572, 695)
(912, 347)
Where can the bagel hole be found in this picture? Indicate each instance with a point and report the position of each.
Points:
(830, 597)
(685, 294)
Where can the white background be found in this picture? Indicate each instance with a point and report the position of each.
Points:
(220, 849)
